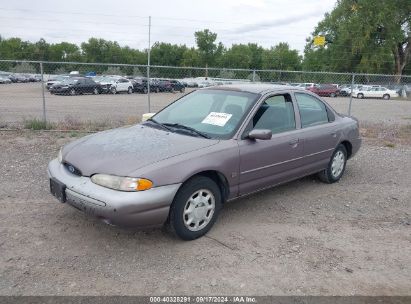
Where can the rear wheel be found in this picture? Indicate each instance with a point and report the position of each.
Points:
(95, 91)
(157, 90)
(336, 166)
(386, 96)
(360, 95)
(113, 90)
(333, 95)
(182, 90)
(195, 208)
(145, 90)
(72, 92)
(129, 90)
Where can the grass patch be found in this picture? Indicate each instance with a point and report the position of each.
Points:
(76, 126)
(389, 145)
(37, 124)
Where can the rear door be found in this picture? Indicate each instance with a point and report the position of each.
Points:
(268, 162)
(319, 132)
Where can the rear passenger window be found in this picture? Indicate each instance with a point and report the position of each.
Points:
(275, 114)
(312, 110)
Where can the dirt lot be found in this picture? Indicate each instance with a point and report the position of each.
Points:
(23, 101)
(305, 237)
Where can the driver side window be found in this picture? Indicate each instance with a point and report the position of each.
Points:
(276, 113)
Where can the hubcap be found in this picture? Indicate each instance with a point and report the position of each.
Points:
(199, 210)
(338, 164)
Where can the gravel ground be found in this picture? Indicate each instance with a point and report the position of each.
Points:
(23, 101)
(302, 238)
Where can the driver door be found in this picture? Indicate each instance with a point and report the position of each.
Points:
(264, 163)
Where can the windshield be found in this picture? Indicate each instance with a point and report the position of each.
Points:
(215, 113)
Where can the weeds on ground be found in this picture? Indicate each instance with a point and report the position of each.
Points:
(389, 135)
(37, 124)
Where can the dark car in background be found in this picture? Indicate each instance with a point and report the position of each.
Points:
(325, 90)
(177, 86)
(75, 86)
(140, 85)
(56, 80)
(170, 86)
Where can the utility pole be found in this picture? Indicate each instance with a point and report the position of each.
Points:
(148, 64)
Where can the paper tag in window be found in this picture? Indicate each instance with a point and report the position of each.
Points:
(217, 119)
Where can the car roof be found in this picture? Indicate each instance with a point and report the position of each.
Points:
(257, 88)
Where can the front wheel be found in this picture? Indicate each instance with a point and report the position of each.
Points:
(113, 90)
(336, 167)
(360, 95)
(129, 90)
(195, 208)
(386, 96)
(182, 90)
(333, 95)
(96, 91)
(72, 92)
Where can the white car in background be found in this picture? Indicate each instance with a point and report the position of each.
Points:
(374, 92)
(115, 84)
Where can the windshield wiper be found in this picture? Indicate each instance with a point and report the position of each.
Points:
(159, 124)
(183, 127)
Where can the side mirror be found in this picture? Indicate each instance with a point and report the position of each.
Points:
(262, 134)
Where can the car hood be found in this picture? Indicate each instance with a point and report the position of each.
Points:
(124, 150)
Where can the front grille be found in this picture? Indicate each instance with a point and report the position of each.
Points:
(72, 169)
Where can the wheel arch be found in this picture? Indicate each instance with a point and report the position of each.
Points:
(218, 177)
(348, 147)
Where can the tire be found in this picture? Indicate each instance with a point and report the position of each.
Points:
(182, 90)
(95, 91)
(129, 90)
(172, 90)
(386, 96)
(336, 167)
(113, 90)
(333, 95)
(72, 92)
(157, 90)
(360, 95)
(145, 90)
(204, 213)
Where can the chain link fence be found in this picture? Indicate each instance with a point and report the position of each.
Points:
(72, 94)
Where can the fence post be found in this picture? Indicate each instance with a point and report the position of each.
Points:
(42, 92)
(253, 75)
(352, 88)
(148, 64)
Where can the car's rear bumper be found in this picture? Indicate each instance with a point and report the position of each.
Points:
(148, 208)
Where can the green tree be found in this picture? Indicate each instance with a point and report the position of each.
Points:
(365, 36)
(207, 47)
(24, 67)
(281, 57)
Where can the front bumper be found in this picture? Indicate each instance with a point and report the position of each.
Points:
(148, 208)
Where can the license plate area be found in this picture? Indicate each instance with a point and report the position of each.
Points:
(58, 189)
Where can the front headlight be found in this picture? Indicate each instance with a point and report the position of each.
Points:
(60, 156)
(122, 183)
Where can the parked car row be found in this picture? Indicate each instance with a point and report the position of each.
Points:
(358, 90)
(110, 84)
(6, 78)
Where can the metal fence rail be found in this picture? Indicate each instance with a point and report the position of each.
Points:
(25, 88)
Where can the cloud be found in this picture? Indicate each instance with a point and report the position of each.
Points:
(274, 23)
